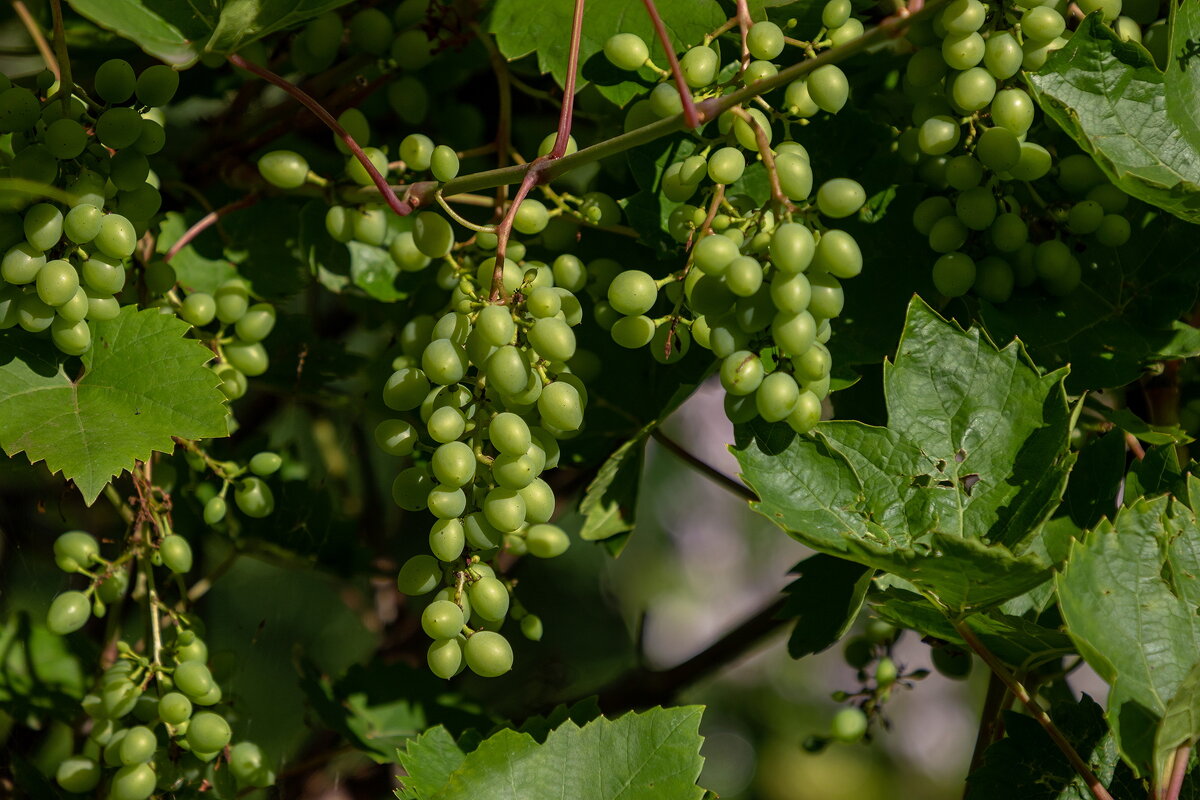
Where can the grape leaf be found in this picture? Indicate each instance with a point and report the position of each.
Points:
(652, 754)
(952, 494)
(1096, 480)
(1181, 721)
(609, 503)
(1128, 595)
(522, 27)
(1120, 318)
(429, 760)
(142, 383)
(194, 271)
(244, 21)
(1183, 72)
(1109, 96)
(826, 585)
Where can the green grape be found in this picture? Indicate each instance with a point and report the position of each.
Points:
(396, 437)
(75, 550)
(256, 324)
(1013, 109)
(193, 678)
(964, 172)
(569, 272)
(157, 85)
(249, 358)
(446, 424)
(712, 254)
(976, 208)
(119, 128)
(72, 338)
(1035, 162)
(488, 654)
(531, 627)
(115, 81)
(993, 280)
(128, 170)
(792, 247)
(447, 539)
(254, 498)
(726, 165)
(759, 71)
(1003, 55)
(790, 293)
(631, 293)
(419, 575)
(795, 176)
(442, 619)
(507, 370)
(1009, 233)
(444, 163)
(489, 599)
(546, 541)
(514, 472)
(1042, 24)
(35, 163)
(444, 362)
(626, 51)
(1085, 217)
(925, 68)
(1114, 231)
(453, 464)
(951, 662)
(776, 396)
(741, 372)
(248, 765)
(699, 66)
(433, 235)
(744, 276)
(32, 314)
(947, 234)
(19, 109)
(798, 101)
(284, 168)
(82, 223)
(75, 309)
(504, 509)
(116, 237)
(886, 672)
(198, 308)
(838, 254)
(68, 613)
(369, 225)
(211, 698)
(340, 226)
(176, 554)
(479, 532)
(78, 774)
(847, 32)
(560, 406)
(849, 725)
(963, 51)
(1110, 198)
(829, 88)
(208, 732)
(174, 708)
(827, 299)
(1078, 174)
(999, 149)
(739, 408)
(371, 31)
(57, 282)
(416, 150)
(495, 325)
(132, 782)
(836, 13)
(938, 135)
(233, 383)
(954, 274)
(531, 217)
(65, 139)
(840, 197)
(1110, 9)
(138, 745)
(765, 40)
(545, 301)
(410, 489)
(973, 89)
(22, 263)
(963, 16)
(633, 332)
(793, 332)
(357, 171)
(445, 657)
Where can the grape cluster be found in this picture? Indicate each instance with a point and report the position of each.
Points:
(138, 739)
(241, 354)
(1004, 215)
(64, 263)
(761, 282)
(251, 493)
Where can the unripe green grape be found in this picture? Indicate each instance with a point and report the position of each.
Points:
(1009, 233)
(453, 464)
(739, 409)
(115, 81)
(546, 541)
(214, 510)
(208, 732)
(72, 338)
(544, 301)
(1002, 55)
(444, 163)
(355, 123)
(963, 16)
(193, 678)
(357, 171)
(699, 66)
(792, 247)
(444, 362)
(938, 134)
(248, 765)
(1013, 109)
(1110, 198)
(284, 168)
(712, 254)
(152, 139)
(447, 539)
(254, 498)
(759, 71)
(446, 424)
(504, 509)
(741, 372)
(68, 613)
(798, 101)
(157, 85)
(954, 274)
(1110, 9)
(138, 745)
(993, 280)
(829, 88)
(132, 782)
(480, 533)
(339, 224)
(744, 276)
(626, 51)
(174, 708)
(1085, 217)
(776, 396)
(43, 225)
(116, 237)
(78, 774)
(553, 338)
(22, 263)
(849, 725)
(531, 217)
(433, 235)
(495, 325)
(847, 32)
(176, 554)
(507, 370)
(999, 149)
(33, 315)
(256, 324)
(765, 40)
(419, 575)
(633, 332)
(726, 165)
(925, 67)
(964, 172)
(488, 654)
(838, 254)
(826, 302)
(973, 89)
(128, 170)
(559, 405)
(233, 383)
(75, 550)
(1035, 162)
(442, 619)
(531, 627)
(489, 599)
(963, 51)
(1114, 231)
(100, 308)
(632, 292)
(1078, 174)
(371, 31)
(445, 657)
(249, 358)
(369, 225)
(233, 300)
(569, 272)
(840, 197)
(976, 208)
(417, 151)
(790, 293)
(74, 310)
(947, 234)
(514, 472)
(82, 223)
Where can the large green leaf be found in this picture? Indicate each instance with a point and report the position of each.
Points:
(141, 384)
(1128, 594)
(522, 27)
(652, 754)
(1183, 74)
(950, 496)
(1123, 315)
(1112, 100)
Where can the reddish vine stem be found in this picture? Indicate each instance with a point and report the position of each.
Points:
(690, 115)
(1035, 710)
(207, 221)
(1179, 771)
(565, 116)
(395, 203)
(744, 22)
(713, 205)
(764, 150)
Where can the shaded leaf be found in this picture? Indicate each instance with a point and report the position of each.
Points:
(1182, 73)
(1127, 421)
(1096, 479)
(171, 30)
(610, 500)
(824, 601)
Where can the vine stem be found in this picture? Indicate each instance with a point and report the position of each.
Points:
(65, 81)
(690, 116)
(764, 150)
(1035, 709)
(993, 704)
(401, 207)
(1179, 771)
(708, 470)
(39, 39)
(207, 221)
(744, 22)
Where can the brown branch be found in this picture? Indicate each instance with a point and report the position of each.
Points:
(703, 467)
(39, 39)
(993, 704)
(207, 221)
(401, 207)
(690, 115)
(744, 22)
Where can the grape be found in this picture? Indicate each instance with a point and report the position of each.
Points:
(1110, 9)
(33, 315)
(973, 89)
(119, 128)
(248, 358)
(480, 533)
(174, 708)
(371, 31)
(396, 437)
(1002, 55)
(152, 139)
(116, 236)
(776, 396)
(840, 197)
(233, 383)
(176, 554)
(78, 774)
(57, 282)
(1085, 217)
(976, 208)
(199, 308)
(798, 101)
(444, 163)
(838, 254)
(765, 40)
(792, 247)
(999, 149)
(442, 619)
(938, 134)
(759, 71)
(1009, 233)
(128, 170)
(925, 68)
(489, 599)
(626, 51)
(546, 541)
(208, 732)
(157, 85)
(19, 109)
(1034, 163)
(72, 338)
(68, 613)
(35, 163)
(75, 550)
(963, 16)
(713, 254)
(744, 276)
(65, 139)
(369, 225)
(531, 217)
(419, 575)
(115, 81)
(699, 66)
(433, 235)
(849, 725)
(138, 745)
(963, 51)
(726, 165)
(256, 324)
(1013, 109)
(488, 654)
(504, 509)
(1042, 24)
(132, 782)
(254, 497)
(795, 176)
(886, 672)
(193, 679)
(453, 464)
(1114, 231)
(75, 309)
(790, 293)
(951, 662)
(284, 168)
(947, 234)
(416, 150)
(531, 627)
(447, 539)
(993, 279)
(22, 263)
(954, 274)
(560, 406)
(964, 172)
(632, 292)
(829, 88)
(633, 332)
